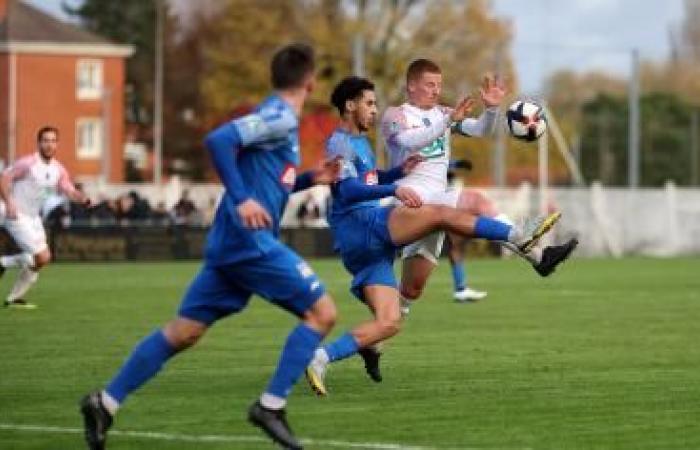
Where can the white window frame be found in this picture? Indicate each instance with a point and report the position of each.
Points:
(93, 89)
(90, 145)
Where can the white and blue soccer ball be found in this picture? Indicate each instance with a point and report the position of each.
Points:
(526, 120)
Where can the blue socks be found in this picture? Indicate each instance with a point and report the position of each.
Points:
(459, 276)
(152, 352)
(491, 229)
(341, 348)
(298, 351)
(145, 361)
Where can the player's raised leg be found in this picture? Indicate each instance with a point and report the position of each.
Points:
(407, 225)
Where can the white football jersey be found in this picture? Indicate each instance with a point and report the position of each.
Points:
(407, 130)
(35, 180)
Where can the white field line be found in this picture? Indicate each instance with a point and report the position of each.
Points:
(209, 438)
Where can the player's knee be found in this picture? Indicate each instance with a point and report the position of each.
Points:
(390, 326)
(438, 214)
(183, 333)
(412, 291)
(42, 259)
(323, 315)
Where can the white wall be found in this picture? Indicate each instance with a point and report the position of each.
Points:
(607, 221)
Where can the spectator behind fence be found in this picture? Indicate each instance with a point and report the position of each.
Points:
(105, 211)
(185, 211)
(79, 212)
(131, 208)
(160, 215)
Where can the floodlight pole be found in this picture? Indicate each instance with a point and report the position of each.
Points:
(158, 97)
(694, 148)
(634, 122)
(358, 55)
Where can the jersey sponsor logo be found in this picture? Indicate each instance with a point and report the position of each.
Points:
(371, 178)
(252, 124)
(305, 270)
(288, 176)
(434, 150)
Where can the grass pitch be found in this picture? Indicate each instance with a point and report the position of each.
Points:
(604, 355)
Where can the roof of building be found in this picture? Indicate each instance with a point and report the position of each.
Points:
(25, 29)
(26, 24)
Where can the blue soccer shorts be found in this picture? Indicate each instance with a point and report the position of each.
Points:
(280, 276)
(363, 239)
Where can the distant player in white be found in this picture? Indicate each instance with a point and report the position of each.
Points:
(24, 187)
(422, 125)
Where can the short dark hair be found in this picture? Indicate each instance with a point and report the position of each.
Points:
(349, 88)
(291, 65)
(420, 66)
(46, 129)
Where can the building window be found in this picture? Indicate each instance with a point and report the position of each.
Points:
(88, 138)
(89, 79)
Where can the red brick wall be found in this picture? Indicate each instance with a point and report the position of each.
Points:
(46, 94)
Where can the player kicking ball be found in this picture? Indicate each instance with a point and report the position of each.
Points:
(24, 188)
(368, 235)
(256, 158)
(421, 125)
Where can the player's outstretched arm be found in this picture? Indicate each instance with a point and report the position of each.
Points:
(327, 172)
(352, 190)
(398, 172)
(484, 125)
(492, 92)
(66, 186)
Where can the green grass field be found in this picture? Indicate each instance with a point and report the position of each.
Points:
(603, 355)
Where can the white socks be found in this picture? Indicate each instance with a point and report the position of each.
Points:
(25, 279)
(321, 355)
(503, 218)
(18, 260)
(270, 401)
(110, 404)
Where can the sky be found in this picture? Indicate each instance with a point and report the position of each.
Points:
(580, 35)
(586, 34)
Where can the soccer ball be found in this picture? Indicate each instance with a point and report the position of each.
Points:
(526, 120)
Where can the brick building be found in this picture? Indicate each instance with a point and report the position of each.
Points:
(56, 73)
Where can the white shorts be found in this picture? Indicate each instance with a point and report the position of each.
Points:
(430, 247)
(28, 232)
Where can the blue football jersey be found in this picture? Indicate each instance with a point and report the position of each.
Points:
(358, 162)
(267, 162)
